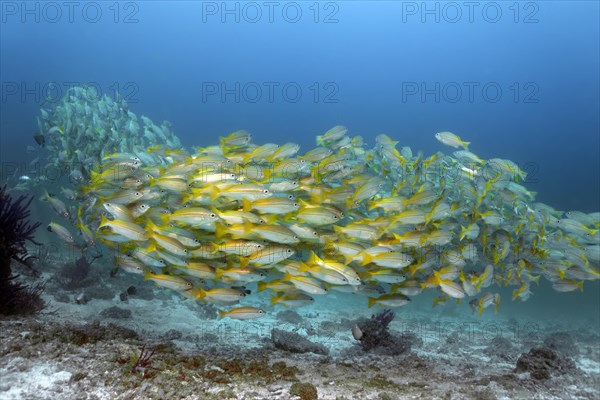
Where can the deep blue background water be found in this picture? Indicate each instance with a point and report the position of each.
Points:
(163, 55)
(359, 57)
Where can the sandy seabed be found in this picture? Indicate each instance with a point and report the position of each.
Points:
(92, 350)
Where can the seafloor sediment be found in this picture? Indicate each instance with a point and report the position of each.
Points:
(88, 341)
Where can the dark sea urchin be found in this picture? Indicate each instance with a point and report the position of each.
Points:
(15, 231)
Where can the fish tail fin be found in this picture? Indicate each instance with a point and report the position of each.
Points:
(314, 172)
(261, 286)
(436, 278)
(222, 313)
(45, 196)
(247, 205)
(220, 230)
(150, 227)
(165, 218)
(350, 203)
(463, 232)
(412, 269)
(515, 294)
(199, 294)
(267, 175)
(104, 221)
(314, 258)
(338, 230)
(214, 193)
(366, 259)
(371, 205)
(151, 247)
(274, 300)
(372, 301)
(303, 267)
(147, 275)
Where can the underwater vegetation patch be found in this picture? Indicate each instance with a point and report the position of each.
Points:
(15, 231)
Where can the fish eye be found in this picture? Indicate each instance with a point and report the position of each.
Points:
(242, 295)
(315, 233)
(335, 217)
(185, 251)
(289, 250)
(266, 191)
(291, 196)
(188, 284)
(213, 215)
(296, 205)
(138, 194)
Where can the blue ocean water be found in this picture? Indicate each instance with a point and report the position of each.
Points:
(519, 80)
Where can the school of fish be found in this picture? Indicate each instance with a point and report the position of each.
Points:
(76, 132)
(219, 222)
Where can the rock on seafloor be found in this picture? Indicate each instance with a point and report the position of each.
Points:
(295, 343)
